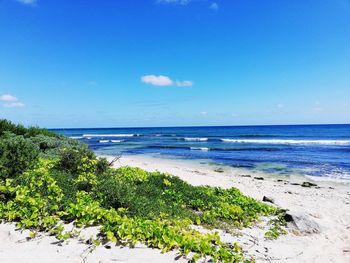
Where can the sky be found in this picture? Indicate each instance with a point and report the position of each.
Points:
(133, 63)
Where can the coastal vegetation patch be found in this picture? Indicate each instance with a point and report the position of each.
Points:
(47, 180)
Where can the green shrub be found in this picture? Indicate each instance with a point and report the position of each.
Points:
(65, 181)
(7, 126)
(17, 154)
(33, 131)
(102, 165)
(116, 191)
(36, 200)
(148, 195)
(45, 143)
(51, 147)
(18, 129)
(73, 158)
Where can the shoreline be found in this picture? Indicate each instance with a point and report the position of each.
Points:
(166, 164)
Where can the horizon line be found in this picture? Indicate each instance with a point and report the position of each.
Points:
(198, 126)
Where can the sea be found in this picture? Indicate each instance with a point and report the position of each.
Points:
(319, 151)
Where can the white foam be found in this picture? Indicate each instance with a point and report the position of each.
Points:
(340, 178)
(200, 148)
(76, 137)
(116, 141)
(109, 135)
(277, 141)
(103, 141)
(196, 139)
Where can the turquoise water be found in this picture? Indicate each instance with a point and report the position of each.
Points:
(314, 150)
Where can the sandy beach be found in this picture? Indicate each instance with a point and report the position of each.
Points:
(174, 131)
(326, 206)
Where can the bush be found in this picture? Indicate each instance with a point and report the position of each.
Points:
(7, 126)
(148, 195)
(18, 129)
(33, 131)
(66, 182)
(116, 191)
(45, 143)
(17, 154)
(36, 198)
(51, 147)
(72, 159)
(102, 166)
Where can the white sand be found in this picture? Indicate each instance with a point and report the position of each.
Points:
(329, 208)
(14, 248)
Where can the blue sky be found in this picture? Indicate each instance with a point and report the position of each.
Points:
(174, 62)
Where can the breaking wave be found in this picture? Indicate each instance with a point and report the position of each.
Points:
(301, 142)
(110, 135)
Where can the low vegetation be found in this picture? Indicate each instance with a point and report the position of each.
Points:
(47, 180)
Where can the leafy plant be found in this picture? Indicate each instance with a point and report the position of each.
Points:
(278, 225)
(35, 198)
(17, 154)
(18, 129)
(73, 158)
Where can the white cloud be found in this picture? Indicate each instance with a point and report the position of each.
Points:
(280, 106)
(204, 113)
(161, 80)
(214, 6)
(27, 2)
(11, 101)
(184, 83)
(181, 2)
(14, 105)
(157, 80)
(8, 97)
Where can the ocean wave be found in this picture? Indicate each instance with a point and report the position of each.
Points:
(339, 178)
(76, 137)
(196, 139)
(302, 142)
(166, 147)
(200, 148)
(110, 135)
(269, 149)
(162, 135)
(248, 149)
(113, 141)
(165, 135)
